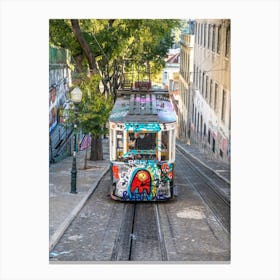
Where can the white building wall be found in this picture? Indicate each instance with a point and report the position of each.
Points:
(168, 72)
(216, 66)
(186, 79)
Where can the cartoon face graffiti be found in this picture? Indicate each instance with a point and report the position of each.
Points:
(141, 182)
(142, 175)
(165, 168)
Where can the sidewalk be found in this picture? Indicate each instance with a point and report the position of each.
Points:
(64, 206)
(218, 166)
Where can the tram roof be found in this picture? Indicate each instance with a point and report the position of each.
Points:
(135, 106)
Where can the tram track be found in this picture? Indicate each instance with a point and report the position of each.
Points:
(108, 230)
(214, 192)
(216, 182)
(140, 236)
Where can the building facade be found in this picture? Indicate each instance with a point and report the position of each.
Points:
(171, 70)
(185, 81)
(60, 144)
(59, 81)
(206, 85)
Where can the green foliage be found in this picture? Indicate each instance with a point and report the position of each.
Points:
(119, 45)
(94, 109)
(61, 35)
(150, 41)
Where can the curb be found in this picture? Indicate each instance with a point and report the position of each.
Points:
(202, 163)
(65, 224)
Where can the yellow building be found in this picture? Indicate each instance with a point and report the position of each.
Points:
(185, 81)
(205, 82)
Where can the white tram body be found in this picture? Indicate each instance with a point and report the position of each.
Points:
(142, 146)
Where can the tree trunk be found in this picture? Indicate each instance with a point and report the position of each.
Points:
(85, 159)
(111, 21)
(79, 63)
(85, 46)
(96, 148)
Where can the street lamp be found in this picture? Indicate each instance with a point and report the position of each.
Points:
(76, 97)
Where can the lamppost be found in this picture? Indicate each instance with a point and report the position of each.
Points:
(76, 97)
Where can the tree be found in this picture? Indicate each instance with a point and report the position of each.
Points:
(115, 45)
(94, 111)
(89, 54)
(128, 44)
(108, 48)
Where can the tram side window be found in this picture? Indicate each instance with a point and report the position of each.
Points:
(165, 145)
(119, 140)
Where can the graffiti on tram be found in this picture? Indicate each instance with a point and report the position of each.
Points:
(143, 180)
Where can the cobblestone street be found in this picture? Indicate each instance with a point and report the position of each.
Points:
(189, 230)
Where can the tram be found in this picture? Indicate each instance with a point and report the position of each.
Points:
(142, 145)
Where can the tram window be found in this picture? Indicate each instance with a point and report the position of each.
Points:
(142, 141)
(131, 141)
(165, 145)
(119, 140)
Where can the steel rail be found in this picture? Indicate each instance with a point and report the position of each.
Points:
(213, 204)
(214, 186)
(160, 234)
(179, 148)
(126, 248)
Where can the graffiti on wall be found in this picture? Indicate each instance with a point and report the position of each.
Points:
(222, 142)
(58, 82)
(52, 108)
(143, 180)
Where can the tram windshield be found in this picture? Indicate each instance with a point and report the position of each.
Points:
(149, 145)
(142, 145)
(141, 141)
